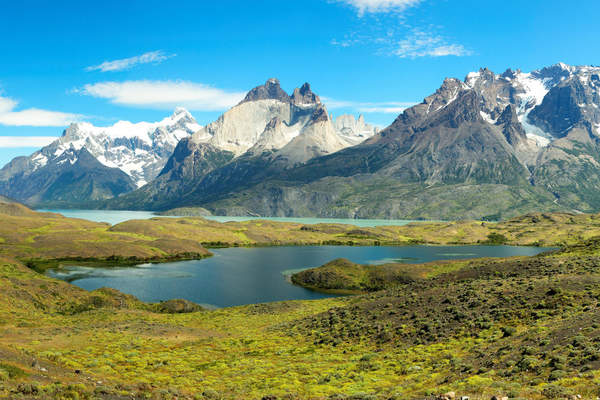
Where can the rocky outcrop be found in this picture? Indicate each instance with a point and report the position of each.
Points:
(303, 96)
(511, 127)
(271, 90)
(354, 131)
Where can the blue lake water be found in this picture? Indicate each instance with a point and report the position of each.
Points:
(114, 217)
(237, 276)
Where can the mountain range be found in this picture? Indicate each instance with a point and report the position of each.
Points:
(489, 146)
(89, 163)
(92, 163)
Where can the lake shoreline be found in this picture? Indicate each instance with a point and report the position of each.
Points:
(252, 275)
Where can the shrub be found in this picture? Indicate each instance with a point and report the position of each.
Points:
(12, 371)
(556, 375)
(508, 331)
(555, 392)
(496, 238)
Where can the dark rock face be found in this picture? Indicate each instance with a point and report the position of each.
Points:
(320, 114)
(555, 73)
(511, 127)
(191, 160)
(304, 95)
(188, 165)
(559, 111)
(270, 90)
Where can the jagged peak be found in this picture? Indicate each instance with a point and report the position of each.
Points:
(562, 65)
(75, 130)
(180, 112)
(305, 96)
(450, 84)
(510, 74)
(320, 114)
(271, 90)
(509, 115)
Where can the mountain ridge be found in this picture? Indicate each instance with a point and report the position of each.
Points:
(490, 146)
(470, 150)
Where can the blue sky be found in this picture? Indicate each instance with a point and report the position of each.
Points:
(137, 60)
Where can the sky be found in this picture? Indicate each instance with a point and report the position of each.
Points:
(101, 62)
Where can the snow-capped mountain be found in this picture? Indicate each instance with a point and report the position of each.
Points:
(489, 146)
(527, 92)
(117, 159)
(138, 149)
(269, 129)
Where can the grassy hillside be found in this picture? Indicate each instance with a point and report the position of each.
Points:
(522, 327)
(554, 229)
(41, 237)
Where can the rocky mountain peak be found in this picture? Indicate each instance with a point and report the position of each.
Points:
(270, 90)
(487, 73)
(508, 116)
(320, 114)
(75, 131)
(510, 74)
(305, 96)
(181, 113)
(466, 108)
(511, 127)
(554, 74)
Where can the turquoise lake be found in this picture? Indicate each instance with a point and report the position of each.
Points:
(115, 217)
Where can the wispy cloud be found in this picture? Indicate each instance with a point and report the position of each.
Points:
(154, 57)
(424, 44)
(164, 95)
(378, 6)
(25, 141)
(391, 107)
(386, 31)
(32, 116)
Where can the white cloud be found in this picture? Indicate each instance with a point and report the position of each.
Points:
(25, 141)
(391, 107)
(32, 116)
(164, 95)
(7, 105)
(423, 44)
(155, 57)
(378, 6)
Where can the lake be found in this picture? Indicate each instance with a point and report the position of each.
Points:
(237, 276)
(114, 217)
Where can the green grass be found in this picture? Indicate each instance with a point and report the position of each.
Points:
(521, 327)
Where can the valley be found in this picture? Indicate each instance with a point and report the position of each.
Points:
(386, 343)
